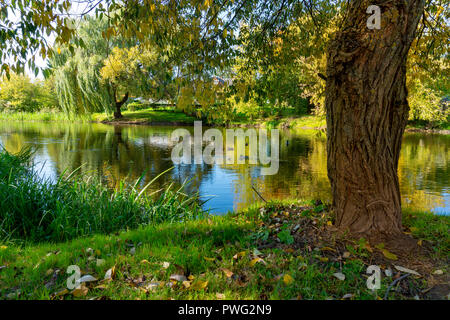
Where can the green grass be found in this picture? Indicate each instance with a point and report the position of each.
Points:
(148, 115)
(205, 251)
(422, 124)
(294, 122)
(36, 209)
(430, 227)
(169, 115)
(53, 116)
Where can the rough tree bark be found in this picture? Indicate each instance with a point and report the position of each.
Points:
(367, 110)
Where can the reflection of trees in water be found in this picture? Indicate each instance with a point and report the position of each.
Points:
(302, 172)
(127, 152)
(111, 153)
(424, 170)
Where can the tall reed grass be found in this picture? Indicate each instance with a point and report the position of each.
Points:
(37, 209)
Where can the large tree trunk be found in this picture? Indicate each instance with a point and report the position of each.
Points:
(367, 111)
(118, 112)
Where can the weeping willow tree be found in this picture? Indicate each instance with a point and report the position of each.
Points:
(76, 70)
(78, 85)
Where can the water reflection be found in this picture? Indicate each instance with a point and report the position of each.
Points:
(127, 152)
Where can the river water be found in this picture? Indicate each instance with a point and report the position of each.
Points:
(127, 152)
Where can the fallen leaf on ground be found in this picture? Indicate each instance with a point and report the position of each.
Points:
(152, 286)
(287, 279)
(80, 292)
(227, 272)
(438, 272)
(178, 277)
(220, 296)
(239, 255)
(166, 264)
(368, 248)
(186, 284)
(255, 261)
(209, 259)
(339, 276)
(63, 292)
(100, 262)
(110, 273)
(145, 261)
(388, 254)
(406, 270)
(199, 285)
(101, 286)
(256, 252)
(86, 278)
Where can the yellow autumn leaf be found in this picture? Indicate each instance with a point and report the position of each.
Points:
(199, 285)
(389, 255)
(102, 286)
(239, 255)
(62, 293)
(59, 50)
(287, 279)
(208, 259)
(80, 292)
(255, 261)
(327, 249)
(145, 261)
(227, 272)
(3, 247)
(186, 284)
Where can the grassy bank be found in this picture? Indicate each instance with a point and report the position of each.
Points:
(243, 256)
(52, 116)
(168, 116)
(147, 116)
(312, 122)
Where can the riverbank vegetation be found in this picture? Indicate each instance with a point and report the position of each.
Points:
(273, 252)
(282, 83)
(34, 208)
